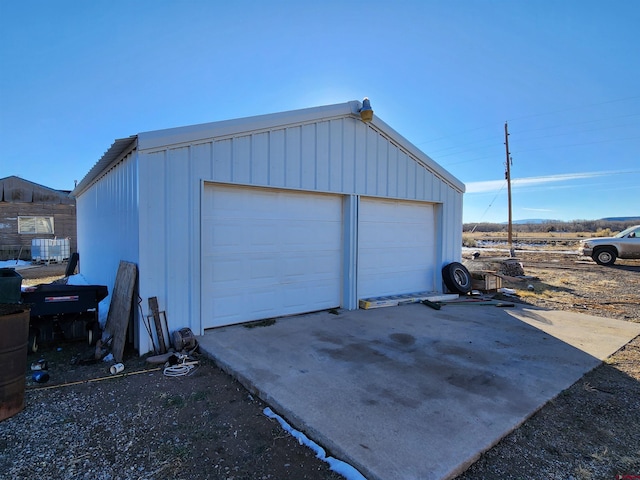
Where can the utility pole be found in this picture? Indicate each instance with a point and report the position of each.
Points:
(507, 175)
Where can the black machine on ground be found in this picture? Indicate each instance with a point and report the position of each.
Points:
(63, 312)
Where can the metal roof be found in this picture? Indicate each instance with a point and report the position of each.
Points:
(187, 134)
(116, 151)
(14, 188)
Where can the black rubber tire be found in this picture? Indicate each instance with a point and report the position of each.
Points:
(605, 256)
(457, 278)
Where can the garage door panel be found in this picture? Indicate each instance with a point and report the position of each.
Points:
(261, 268)
(225, 306)
(295, 265)
(291, 298)
(268, 253)
(228, 270)
(262, 233)
(396, 247)
(295, 235)
(261, 301)
(323, 265)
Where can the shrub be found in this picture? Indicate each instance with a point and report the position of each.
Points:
(468, 241)
(604, 232)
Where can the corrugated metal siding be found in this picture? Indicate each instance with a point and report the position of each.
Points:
(170, 230)
(107, 214)
(339, 156)
(342, 156)
(451, 226)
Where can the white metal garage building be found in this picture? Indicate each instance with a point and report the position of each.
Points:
(266, 216)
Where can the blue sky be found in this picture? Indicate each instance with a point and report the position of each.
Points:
(446, 74)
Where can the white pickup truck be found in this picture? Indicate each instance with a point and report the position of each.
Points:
(605, 250)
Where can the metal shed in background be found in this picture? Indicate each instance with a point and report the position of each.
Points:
(270, 215)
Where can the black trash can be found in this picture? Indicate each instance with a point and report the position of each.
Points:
(10, 284)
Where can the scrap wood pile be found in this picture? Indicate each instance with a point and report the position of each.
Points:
(512, 268)
(178, 360)
(468, 302)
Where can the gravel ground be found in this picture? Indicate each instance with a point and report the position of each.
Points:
(85, 423)
(146, 426)
(591, 431)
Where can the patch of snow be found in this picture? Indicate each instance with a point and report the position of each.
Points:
(103, 306)
(520, 248)
(338, 466)
(103, 311)
(77, 280)
(13, 263)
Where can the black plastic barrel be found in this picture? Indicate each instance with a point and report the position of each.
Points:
(14, 336)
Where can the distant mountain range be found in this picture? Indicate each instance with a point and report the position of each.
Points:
(536, 221)
(621, 219)
(532, 221)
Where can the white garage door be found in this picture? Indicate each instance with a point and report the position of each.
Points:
(396, 247)
(268, 253)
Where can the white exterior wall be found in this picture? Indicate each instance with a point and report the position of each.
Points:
(146, 207)
(107, 216)
(169, 265)
(340, 155)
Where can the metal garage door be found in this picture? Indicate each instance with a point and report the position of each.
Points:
(396, 247)
(268, 253)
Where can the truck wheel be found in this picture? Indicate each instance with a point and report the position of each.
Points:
(604, 256)
(457, 278)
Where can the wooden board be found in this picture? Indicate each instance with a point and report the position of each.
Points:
(121, 306)
(395, 300)
(153, 306)
(485, 281)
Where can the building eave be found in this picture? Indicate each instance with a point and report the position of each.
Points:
(118, 150)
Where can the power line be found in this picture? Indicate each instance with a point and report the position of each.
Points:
(578, 144)
(492, 125)
(490, 205)
(459, 145)
(467, 150)
(575, 132)
(469, 161)
(519, 151)
(579, 123)
(576, 108)
(525, 138)
(456, 134)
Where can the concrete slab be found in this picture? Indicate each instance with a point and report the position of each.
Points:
(410, 392)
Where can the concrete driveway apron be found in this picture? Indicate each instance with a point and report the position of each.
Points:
(411, 392)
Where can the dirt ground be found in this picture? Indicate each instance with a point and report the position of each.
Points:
(86, 423)
(591, 430)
